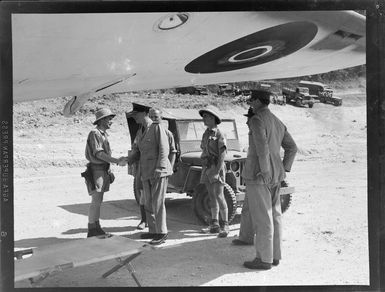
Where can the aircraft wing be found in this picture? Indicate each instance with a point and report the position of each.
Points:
(79, 54)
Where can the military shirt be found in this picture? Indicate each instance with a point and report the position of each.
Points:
(266, 137)
(151, 148)
(97, 141)
(213, 143)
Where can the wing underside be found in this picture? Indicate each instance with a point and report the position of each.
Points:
(70, 54)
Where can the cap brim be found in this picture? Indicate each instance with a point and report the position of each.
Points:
(131, 113)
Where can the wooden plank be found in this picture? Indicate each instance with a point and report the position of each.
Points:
(61, 256)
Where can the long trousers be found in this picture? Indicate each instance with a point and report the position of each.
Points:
(154, 191)
(265, 211)
(246, 232)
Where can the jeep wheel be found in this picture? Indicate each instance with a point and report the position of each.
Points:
(285, 202)
(136, 191)
(201, 203)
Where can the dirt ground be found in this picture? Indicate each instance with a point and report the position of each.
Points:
(325, 239)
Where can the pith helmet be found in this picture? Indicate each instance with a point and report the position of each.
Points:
(102, 113)
(211, 112)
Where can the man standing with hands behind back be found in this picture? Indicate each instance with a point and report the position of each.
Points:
(264, 170)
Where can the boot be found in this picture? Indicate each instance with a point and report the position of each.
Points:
(143, 221)
(159, 239)
(257, 264)
(92, 231)
(99, 228)
(224, 228)
(214, 226)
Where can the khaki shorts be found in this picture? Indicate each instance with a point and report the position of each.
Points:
(101, 179)
(207, 178)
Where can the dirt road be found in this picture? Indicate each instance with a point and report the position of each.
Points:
(325, 239)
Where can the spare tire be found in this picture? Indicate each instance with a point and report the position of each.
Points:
(285, 202)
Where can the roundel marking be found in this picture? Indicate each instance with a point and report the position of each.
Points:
(255, 49)
(172, 21)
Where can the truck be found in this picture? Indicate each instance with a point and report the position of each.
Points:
(192, 90)
(298, 96)
(322, 92)
(187, 127)
(228, 90)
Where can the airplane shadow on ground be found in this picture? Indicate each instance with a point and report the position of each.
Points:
(125, 208)
(179, 214)
(181, 221)
(179, 210)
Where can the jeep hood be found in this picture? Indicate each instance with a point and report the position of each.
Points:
(194, 158)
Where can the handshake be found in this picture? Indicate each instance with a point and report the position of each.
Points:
(123, 161)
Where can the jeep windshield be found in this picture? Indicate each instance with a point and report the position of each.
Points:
(193, 130)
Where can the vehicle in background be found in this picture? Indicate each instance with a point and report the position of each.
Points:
(278, 99)
(197, 90)
(264, 86)
(187, 127)
(298, 96)
(228, 89)
(274, 98)
(322, 92)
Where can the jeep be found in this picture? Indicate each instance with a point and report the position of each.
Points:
(187, 127)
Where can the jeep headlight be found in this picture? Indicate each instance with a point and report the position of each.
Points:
(234, 166)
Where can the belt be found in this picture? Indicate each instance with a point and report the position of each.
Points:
(104, 166)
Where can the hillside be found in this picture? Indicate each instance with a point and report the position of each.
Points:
(340, 80)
